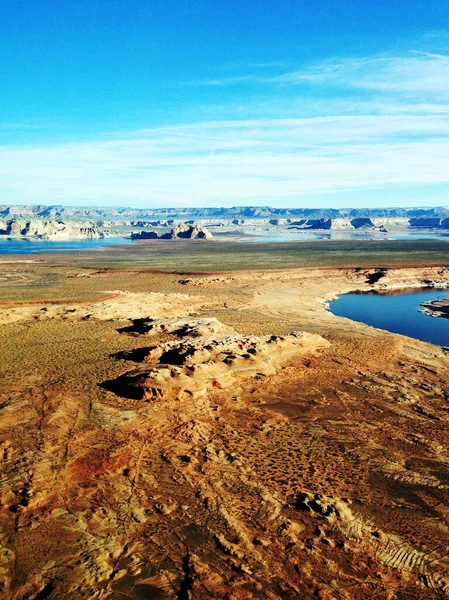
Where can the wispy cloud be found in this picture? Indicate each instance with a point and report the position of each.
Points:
(370, 123)
(234, 162)
(415, 72)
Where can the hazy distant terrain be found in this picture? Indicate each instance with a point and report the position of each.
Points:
(58, 222)
(189, 212)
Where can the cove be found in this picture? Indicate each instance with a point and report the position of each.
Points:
(397, 313)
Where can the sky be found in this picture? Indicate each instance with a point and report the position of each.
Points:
(152, 103)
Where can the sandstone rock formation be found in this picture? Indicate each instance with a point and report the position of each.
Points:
(50, 229)
(183, 230)
(236, 213)
(328, 479)
(429, 223)
(192, 366)
(345, 224)
(120, 305)
(182, 327)
(144, 235)
(362, 223)
(436, 308)
(158, 223)
(311, 224)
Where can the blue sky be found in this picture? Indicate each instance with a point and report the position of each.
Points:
(283, 103)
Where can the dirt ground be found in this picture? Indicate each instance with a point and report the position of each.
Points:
(326, 478)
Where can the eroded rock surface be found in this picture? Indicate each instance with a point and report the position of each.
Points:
(326, 478)
(436, 308)
(183, 231)
(192, 366)
(121, 305)
(182, 327)
(50, 228)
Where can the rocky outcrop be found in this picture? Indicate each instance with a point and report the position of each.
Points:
(190, 367)
(145, 235)
(311, 224)
(362, 223)
(327, 479)
(120, 305)
(149, 223)
(189, 231)
(182, 327)
(54, 229)
(429, 223)
(183, 231)
(436, 308)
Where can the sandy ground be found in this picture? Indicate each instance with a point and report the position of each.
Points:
(315, 468)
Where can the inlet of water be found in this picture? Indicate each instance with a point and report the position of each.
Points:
(397, 313)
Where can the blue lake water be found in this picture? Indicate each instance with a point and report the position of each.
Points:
(297, 236)
(27, 246)
(397, 313)
(32, 246)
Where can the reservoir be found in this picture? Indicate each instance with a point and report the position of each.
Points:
(32, 246)
(307, 235)
(397, 313)
(11, 245)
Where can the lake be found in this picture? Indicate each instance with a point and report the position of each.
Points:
(397, 313)
(32, 246)
(303, 235)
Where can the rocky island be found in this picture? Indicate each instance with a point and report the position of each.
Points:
(182, 231)
(436, 308)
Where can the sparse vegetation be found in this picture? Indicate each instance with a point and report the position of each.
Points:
(253, 484)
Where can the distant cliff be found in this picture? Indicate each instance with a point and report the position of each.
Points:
(84, 222)
(430, 223)
(234, 213)
(50, 228)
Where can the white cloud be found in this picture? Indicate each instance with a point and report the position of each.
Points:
(415, 71)
(371, 123)
(418, 73)
(233, 162)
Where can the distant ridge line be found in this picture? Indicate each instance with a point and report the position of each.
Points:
(235, 212)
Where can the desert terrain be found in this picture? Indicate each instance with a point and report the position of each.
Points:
(192, 435)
